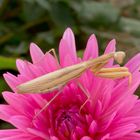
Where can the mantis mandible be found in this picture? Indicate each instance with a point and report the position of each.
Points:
(56, 79)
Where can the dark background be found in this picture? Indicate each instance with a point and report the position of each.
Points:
(44, 21)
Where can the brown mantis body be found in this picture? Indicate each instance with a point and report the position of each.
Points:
(59, 78)
(54, 80)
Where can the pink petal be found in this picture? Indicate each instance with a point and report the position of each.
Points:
(25, 107)
(131, 136)
(86, 138)
(63, 51)
(121, 131)
(20, 121)
(124, 109)
(134, 63)
(106, 121)
(106, 96)
(36, 53)
(124, 87)
(14, 134)
(105, 137)
(93, 128)
(136, 110)
(67, 61)
(20, 65)
(19, 137)
(49, 62)
(6, 112)
(54, 138)
(11, 80)
(98, 109)
(39, 100)
(8, 133)
(68, 36)
(91, 48)
(25, 69)
(65, 56)
(79, 131)
(38, 133)
(110, 48)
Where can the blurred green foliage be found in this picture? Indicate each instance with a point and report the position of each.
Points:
(44, 21)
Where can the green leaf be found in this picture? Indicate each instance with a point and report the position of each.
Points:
(95, 12)
(130, 25)
(46, 36)
(7, 63)
(61, 15)
(3, 85)
(137, 2)
(1, 1)
(4, 125)
(80, 53)
(31, 11)
(44, 4)
(17, 50)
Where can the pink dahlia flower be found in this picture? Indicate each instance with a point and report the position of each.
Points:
(112, 112)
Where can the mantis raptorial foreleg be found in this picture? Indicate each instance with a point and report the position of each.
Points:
(53, 80)
(99, 67)
(114, 73)
(79, 84)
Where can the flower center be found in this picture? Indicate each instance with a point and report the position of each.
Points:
(67, 120)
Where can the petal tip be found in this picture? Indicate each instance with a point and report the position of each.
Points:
(5, 75)
(36, 52)
(113, 41)
(93, 37)
(33, 46)
(68, 32)
(68, 29)
(18, 61)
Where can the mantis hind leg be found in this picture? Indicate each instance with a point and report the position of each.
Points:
(87, 95)
(95, 70)
(54, 54)
(48, 103)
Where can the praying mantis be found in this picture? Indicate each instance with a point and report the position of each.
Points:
(59, 78)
